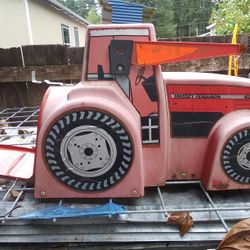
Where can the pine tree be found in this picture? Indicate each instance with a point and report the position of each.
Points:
(191, 16)
(163, 17)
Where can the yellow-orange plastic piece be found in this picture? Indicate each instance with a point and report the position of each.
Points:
(155, 53)
(233, 60)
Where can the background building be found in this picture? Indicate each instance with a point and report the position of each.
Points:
(118, 11)
(28, 22)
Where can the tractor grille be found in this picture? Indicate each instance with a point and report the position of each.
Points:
(150, 129)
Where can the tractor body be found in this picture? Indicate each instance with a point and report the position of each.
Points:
(126, 126)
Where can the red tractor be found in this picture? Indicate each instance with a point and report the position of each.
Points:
(127, 125)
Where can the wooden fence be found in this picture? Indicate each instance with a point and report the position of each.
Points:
(61, 63)
(52, 62)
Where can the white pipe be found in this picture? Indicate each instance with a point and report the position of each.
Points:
(26, 4)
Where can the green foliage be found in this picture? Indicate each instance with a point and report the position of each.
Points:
(171, 18)
(92, 16)
(230, 12)
(179, 17)
(163, 18)
(192, 16)
(84, 8)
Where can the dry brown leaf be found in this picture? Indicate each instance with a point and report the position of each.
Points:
(14, 194)
(24, 132)
(3, 124)
(183, 219)
(238, 237)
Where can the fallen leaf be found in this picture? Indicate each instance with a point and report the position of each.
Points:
(238, 237)
(14, 194)
(3, 124)
(24, 133)
(183, 219)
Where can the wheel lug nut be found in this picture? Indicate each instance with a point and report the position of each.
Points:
(43, 193)
(183, 174)
(134, 192)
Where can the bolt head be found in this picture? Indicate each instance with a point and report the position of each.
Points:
(43, 193)
(120, 68)
(183, 174)
(134, 192)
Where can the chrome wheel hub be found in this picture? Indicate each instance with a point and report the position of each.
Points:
(243, 156)
(88, 151)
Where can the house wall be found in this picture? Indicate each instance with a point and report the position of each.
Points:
(45, 21)
(46, 24)
(13, 24)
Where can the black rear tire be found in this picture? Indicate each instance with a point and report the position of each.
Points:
(235, 157)
(88, 150)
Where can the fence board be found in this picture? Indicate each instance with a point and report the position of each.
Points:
(39, 55)
(10, 57)
(2, 97)
(34, 55)
(47, 72)
(36, 93)
(22, 95)
(14, 94)
(56, 55)
(51, 62)
(75, 55)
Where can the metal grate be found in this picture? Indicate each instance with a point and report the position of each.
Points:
(18, 125)
(145, 218)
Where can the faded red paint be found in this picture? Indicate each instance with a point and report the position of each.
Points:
(171, 157)
(207, 98)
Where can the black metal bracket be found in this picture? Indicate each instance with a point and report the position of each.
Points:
(120, 53)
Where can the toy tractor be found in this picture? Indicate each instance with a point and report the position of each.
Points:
(127, 125)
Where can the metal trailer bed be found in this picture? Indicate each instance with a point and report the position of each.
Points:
(144, 220)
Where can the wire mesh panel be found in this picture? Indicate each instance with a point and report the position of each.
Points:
(18, 126)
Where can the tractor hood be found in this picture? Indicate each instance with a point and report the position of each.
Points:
(195, 78)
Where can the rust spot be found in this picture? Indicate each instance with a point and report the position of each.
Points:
(219, 185)
(193, 175)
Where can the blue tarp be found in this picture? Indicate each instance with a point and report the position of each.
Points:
(61, 211)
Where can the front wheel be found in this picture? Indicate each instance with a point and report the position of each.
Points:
(236, 157)
(88, 150)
